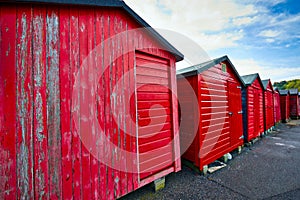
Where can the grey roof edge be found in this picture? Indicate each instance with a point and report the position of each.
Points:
(197, 69)
(178, 55)
(108, 3)
(283, 92)
(266, 82)
(112, 3)
(293, 91)
(255, 76)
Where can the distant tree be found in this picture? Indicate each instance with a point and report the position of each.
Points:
(292, 84)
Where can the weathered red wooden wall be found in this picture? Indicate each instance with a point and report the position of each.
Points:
(188, 127)
(299, 104)
(268, 107)
(294, 105)
(277, 113)
(285, 107)
(42, 49)
(255, 110)
(8, 109)
(217, 133)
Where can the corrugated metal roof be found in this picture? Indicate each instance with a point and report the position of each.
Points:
(112, 3)
(266, 82)
(283, 92)
(293, 91)
(197, 69)
(249, 79)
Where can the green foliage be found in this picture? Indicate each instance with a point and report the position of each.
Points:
(283, 85)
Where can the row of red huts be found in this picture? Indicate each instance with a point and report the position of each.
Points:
(232, 109)
(89, 102)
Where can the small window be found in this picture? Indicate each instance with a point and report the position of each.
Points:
(224, 69)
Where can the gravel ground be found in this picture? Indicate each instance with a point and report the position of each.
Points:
(270, 169)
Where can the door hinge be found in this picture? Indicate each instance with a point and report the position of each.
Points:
(240, 112)
(239, 87)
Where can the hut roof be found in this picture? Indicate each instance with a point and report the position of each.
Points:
(112, 3)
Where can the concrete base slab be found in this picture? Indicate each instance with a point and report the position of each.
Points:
(217, 165)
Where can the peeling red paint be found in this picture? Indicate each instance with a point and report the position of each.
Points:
(40, 140)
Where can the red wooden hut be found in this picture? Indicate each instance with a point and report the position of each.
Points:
(284, 105)
(277, 112)
(253, 112)
(217, 86)
(294, 103)
(299, 103)
(268, 105)
(50, 148)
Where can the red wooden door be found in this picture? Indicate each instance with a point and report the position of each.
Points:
(256, 110)
(154, 114)
(235, 112)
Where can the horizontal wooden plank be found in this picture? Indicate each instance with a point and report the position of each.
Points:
(155, 66)
(141, 59)
(211, 146)
(213, 109)
(153, 104)
(208, 91)
(156, 153)
(154, 136)
(207, 97)
(214, 86)
(151, 80)
(152, 72)
(209, 138)
(153, 88)
(154, 120)
(214, 131)
(220, 120)
(154, 144)
(153, 112)
(210, 116)
(147, 96)
(219, 104)
(215, 127)
(146, 130)
(159, 165)
(213, 77)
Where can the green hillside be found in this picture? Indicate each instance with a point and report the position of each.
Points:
(288, 84)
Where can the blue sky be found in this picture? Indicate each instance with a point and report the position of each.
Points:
(258, 35)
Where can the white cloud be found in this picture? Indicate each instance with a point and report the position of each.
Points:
(243, 21)
(212, 23)
(246, 66)
(284, 19)
(270, 3)
(251, 66)
(220, 40)
(210, 15)
(270, 40)
(269, 33)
